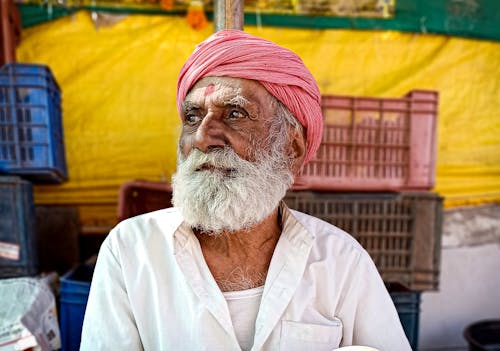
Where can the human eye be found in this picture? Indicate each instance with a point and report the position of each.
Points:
(237, 113)
(191, 118)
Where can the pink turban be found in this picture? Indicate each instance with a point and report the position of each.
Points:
(234, 53)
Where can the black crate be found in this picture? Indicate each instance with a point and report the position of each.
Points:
(400, 231)
(18, 244)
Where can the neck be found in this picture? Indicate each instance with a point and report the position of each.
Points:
(255, 237)
(240, 260)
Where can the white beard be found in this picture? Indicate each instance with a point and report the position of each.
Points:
(237, 197)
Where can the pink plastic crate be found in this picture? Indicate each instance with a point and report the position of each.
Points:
(375, 144)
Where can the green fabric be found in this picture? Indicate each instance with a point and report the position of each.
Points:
(458, 18)
(467, 18)
(32, 15)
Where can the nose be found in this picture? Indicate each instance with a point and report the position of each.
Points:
(210, 134)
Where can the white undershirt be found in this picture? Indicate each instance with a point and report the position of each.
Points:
(243, 307)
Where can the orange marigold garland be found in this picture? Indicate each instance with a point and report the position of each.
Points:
(196, 16)
(167, 4)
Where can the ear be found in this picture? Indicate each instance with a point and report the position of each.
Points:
(296, 151)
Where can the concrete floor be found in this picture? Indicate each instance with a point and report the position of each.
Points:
(469, 282)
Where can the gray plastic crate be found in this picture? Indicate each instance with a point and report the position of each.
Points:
(400, 231)
(18, 246)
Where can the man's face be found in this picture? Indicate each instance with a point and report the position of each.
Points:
(222, 111)
(232, 169)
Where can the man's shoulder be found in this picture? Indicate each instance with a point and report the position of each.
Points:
(326, 234)
(162, 223)
(320, 227)
(170, 213)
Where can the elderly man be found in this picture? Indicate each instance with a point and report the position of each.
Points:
(230, 267)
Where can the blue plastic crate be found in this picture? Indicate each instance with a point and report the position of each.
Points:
(26, 68)
(41, 74)
(31, 131)
(29, 94)
(75, 287)
(26, 82)
(18, 239)
(408, 306)
(17, 88)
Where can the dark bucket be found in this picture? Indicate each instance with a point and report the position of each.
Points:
(483, 335)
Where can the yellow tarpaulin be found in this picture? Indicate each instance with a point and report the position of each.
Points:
(119, 82)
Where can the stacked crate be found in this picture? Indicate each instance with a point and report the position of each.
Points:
(31, 131)
(31, 152)
(372, 177)
(18, 254)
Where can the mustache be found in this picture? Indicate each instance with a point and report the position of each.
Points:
(225, 160)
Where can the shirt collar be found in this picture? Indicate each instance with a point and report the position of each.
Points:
(292, 229)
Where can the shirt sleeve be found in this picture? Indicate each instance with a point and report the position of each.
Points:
(109, 323)
(369, 312)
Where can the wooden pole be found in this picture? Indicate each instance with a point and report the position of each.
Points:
(7, 32)
(228, 14)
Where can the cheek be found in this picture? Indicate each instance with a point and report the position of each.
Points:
(261, 139)
(185, 145)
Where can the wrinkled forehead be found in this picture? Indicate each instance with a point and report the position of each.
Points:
(227, 90)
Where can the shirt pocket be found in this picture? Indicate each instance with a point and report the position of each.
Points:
(296, 336)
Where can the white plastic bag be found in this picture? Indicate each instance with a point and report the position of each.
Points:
(28, 317)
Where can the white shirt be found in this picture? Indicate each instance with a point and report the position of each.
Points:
(243, 308)
(152, 290)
